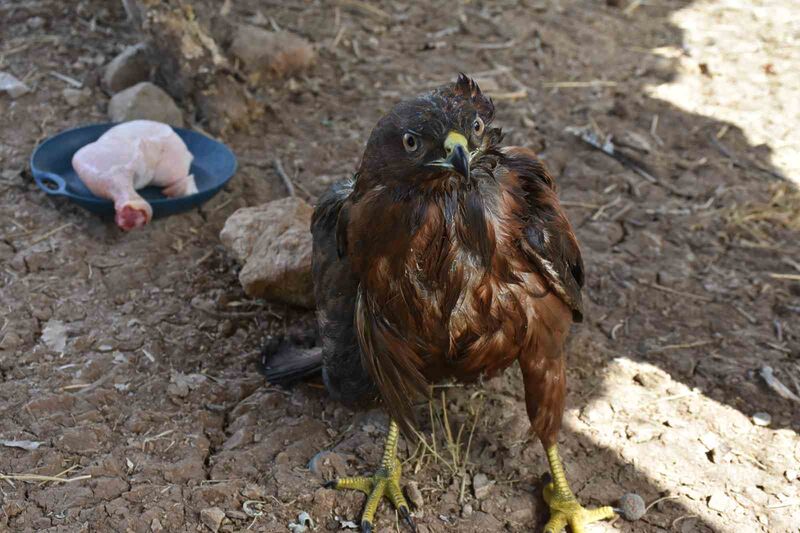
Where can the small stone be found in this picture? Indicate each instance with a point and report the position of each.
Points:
(791, 475)
(762, 419)
(212, 517)
(265, 52)
(180, 390)
(467, 510)
(720, 502)
(10, 341)
(226, 328)
(155, 526)
(144, 101)
(274, 243)
(12, 86)
(35, 23)
(632, 506)
(75, 97)
(127, 69)
(414, 494)
(481, 485)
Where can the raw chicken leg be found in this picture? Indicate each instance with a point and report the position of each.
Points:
(131, 156)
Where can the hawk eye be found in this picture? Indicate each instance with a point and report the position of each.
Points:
(410, 142)
(477, 126)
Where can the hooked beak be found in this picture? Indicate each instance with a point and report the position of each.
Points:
(456, 147)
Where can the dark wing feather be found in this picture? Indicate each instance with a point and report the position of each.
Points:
(391, 360)
(548, 240)
(335, 291)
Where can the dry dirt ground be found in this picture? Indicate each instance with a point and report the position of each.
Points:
(157, 396)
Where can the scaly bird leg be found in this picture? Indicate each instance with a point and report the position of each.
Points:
(384, 483)
(564, 507)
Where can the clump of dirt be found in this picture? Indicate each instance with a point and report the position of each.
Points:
(147, 381)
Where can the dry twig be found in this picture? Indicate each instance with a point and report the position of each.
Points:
(287, 181)
(37, 477)
(677, 292)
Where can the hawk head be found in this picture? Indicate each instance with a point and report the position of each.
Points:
(436, 136)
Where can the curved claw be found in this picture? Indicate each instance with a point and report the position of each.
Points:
(384, 484)
(566, 511)
(564, 507)
(405, 513)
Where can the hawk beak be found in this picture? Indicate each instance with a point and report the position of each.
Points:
(456, 147)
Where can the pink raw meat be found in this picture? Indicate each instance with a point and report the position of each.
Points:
(132, 156)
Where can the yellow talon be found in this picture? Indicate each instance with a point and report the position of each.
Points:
(385, 483)
(564, 507)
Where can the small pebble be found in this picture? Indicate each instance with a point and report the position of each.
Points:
(720, 502)
(481, 485)
(791, 475)
(631, 506)
(467, 510)
(414, 494)
(304, 523)
(762, 419)
(74, 97)
(35, 23)
(212, 517)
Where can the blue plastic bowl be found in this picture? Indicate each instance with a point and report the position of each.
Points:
(51, 164)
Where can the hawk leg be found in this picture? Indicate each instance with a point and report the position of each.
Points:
(384, 483)
(564, 507)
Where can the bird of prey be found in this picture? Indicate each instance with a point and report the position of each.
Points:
(447, 255)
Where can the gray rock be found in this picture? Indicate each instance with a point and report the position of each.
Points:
(75, 97)
(212, 517)
(35, 23)
(12, 85)
(127, 69)
(144, 101)
(266, 52)
(762, 419)
(632, 506)
(280, 268)
(274, 243)
(481, 485)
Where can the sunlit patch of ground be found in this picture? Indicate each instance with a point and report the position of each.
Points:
(747, 52)
(698, 451)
